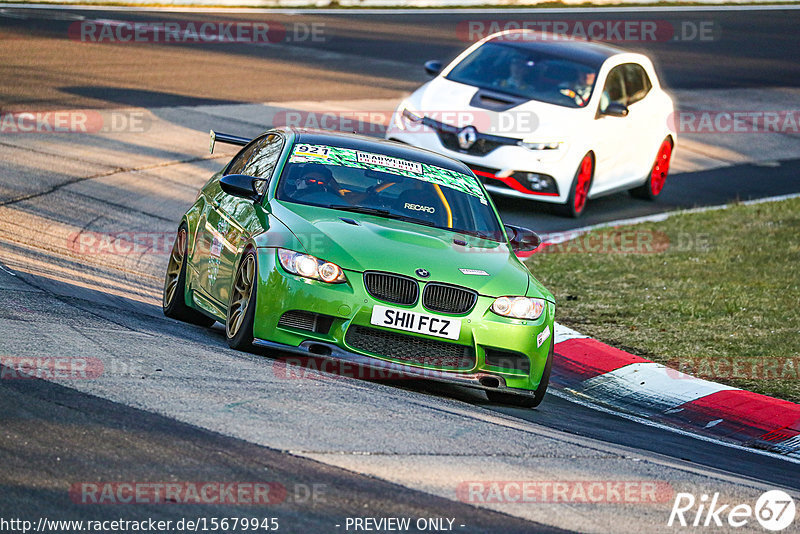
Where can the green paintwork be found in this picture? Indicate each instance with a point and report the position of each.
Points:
(222, 227)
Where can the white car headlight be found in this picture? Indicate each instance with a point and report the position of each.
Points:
(519, 307)
(412, 115)
(534, 145)
(310, 267)
(406, 114)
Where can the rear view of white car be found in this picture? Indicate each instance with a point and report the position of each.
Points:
(547, 118)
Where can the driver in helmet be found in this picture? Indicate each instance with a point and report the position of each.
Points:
(315, 178)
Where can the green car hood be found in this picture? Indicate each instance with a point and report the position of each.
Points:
(380, 244)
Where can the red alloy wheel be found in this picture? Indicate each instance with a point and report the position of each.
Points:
(661, 168)
(582, 183)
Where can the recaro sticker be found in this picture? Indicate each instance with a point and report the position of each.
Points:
(347, 157)
(419, 207)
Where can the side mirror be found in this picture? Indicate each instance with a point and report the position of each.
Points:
(615, 109)
(433, 67)
(239, 185)
(522, 239)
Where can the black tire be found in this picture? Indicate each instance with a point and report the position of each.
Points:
(173, 301)
(571, 208)
(242, 308)
(658, 172)
(525, 401)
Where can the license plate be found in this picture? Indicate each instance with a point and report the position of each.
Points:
(419, 323)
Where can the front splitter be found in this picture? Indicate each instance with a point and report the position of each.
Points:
(333, 352)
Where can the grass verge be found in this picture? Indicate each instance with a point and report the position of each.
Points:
(714, 294)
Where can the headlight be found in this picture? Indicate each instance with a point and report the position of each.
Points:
(406, 115)
(518, 307)
(411, 115)
(310, 267)
(552, 145)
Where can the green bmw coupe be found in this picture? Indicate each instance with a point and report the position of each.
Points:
(382, 255)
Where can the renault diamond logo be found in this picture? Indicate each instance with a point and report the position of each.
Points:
(422, 273)
(467, 137)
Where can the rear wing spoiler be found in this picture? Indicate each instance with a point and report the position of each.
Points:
(226, 138)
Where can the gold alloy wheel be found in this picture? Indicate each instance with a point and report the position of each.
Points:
(174, 267)
(240, 298)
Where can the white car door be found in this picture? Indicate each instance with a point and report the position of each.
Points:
(611, 135)
(644, 113)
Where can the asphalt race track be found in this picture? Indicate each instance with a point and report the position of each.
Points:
(359, 56)
(174, 403)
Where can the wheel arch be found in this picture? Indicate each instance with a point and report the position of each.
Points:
(249, 246)
(590, 152)
(192, 219)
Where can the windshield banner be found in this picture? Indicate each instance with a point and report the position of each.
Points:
(347, 157)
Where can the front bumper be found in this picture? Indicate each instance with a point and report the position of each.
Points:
(496, 168)
(479, 380)
(349, 305)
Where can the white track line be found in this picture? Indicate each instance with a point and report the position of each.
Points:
(586, 404)
(652, 385)
(564, 333)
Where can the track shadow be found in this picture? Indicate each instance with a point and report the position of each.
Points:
(60, 445)
(142, 98)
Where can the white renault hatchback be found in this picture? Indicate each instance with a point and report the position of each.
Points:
(545, 117)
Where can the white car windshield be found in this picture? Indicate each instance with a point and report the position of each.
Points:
(528, 74)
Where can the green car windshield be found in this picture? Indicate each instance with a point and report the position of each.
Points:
(363, 182)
